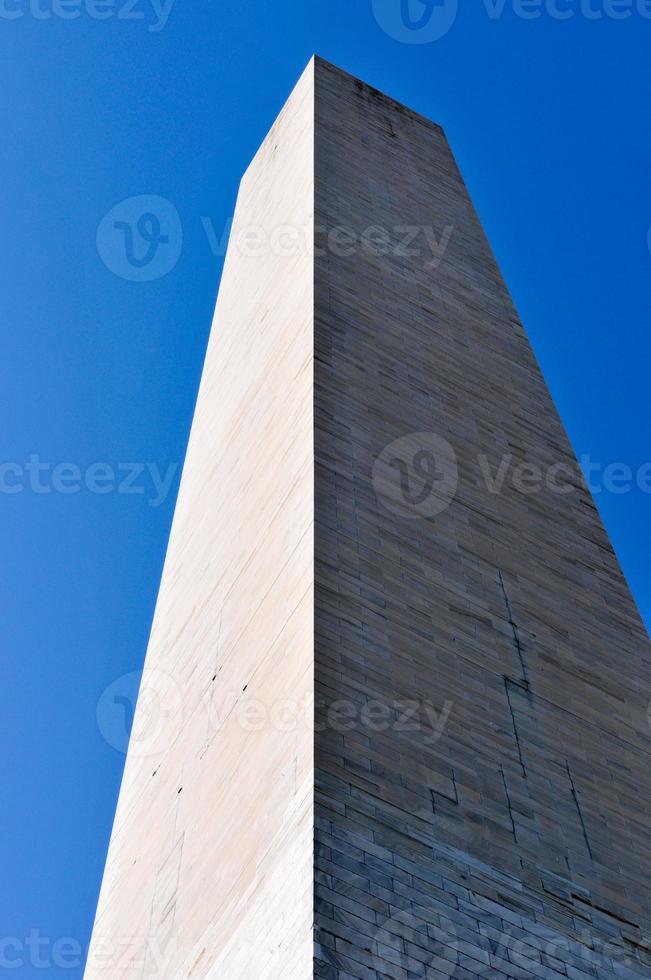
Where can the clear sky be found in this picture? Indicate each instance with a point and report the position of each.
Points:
(102, 101)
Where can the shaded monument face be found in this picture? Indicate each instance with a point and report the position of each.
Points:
(461, 568)
(411, 738)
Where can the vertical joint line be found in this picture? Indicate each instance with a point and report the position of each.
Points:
(578, 810)
(508, 800)
(443, 796)
(515, 727)
(512, 624)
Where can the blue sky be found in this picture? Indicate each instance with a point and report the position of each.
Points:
(102, 102)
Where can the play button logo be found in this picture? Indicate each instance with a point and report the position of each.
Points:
(416, 21)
